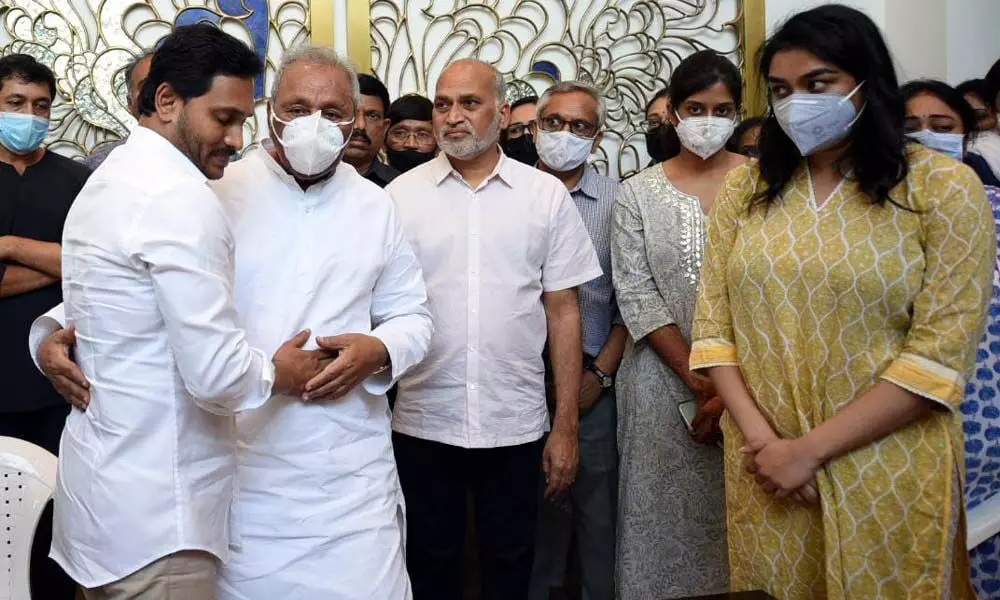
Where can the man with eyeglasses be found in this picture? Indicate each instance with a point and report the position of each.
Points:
(569, 128)
(517, 140)
(369, 133)
(410, 140)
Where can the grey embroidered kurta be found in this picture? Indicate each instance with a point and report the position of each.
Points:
(671, 512)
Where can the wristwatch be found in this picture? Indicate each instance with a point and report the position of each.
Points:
(606, 381)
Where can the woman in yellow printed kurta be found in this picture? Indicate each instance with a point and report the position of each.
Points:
(838, 317)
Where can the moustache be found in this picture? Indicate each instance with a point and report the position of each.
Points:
(224, 152)
(361, 134)
(459, 128)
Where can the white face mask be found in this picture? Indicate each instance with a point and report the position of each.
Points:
(951, 144)
(561, 150)
(816, 122)
(311, 143)
(704, 136)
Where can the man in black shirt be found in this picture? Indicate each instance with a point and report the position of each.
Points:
(369, 133)
(36, 190)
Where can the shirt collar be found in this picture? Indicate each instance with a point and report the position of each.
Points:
(588, 184)
(145, 138)
(442, 169)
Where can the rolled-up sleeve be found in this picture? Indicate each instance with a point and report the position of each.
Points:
(713, 342)
(399, 313)
(949, 312)
(187, 247)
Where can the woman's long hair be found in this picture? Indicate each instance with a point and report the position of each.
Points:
(876, 149)
(694, 74)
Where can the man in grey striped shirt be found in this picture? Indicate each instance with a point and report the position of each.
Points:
(568, 129)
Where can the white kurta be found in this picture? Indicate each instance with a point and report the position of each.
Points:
(319, 513)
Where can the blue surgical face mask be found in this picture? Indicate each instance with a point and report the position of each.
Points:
(949, 144)
(21, 133)
(817, 121)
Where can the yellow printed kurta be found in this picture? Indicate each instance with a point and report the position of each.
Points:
(815, 304)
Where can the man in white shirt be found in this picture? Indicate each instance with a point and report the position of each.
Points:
(503, 249)
(146, 474)
(319, 511)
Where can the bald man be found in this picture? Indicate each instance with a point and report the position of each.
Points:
(503, 250)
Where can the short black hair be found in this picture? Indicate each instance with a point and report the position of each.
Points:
(410, 107)
(993, 85)
(26, 69)
(947, 94)
(978, 88)
(369, 85)
(523, 101)
(190, 58)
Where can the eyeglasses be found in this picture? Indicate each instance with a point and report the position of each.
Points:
(402, 134)
(579, 127)
(650, 124)
(516, 130)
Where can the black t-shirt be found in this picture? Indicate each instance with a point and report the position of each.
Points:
(33, 205)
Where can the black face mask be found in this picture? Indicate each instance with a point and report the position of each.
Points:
(655, 146)
(522, 149)
(404, 160)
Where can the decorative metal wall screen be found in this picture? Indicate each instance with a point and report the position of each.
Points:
(87, 43)
(627, 48)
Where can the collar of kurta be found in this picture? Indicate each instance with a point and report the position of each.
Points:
(443, 168)
(143, 139)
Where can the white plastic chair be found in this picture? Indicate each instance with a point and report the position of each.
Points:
(27, 480)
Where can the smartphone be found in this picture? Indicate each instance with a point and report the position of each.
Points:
(688, 411)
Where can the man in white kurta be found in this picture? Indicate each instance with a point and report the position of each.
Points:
(319, 511)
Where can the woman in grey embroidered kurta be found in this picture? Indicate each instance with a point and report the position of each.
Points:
(672, 512)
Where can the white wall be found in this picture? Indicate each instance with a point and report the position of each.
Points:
(973, 38)
(946, 39)
(777, 11)
(917, 36)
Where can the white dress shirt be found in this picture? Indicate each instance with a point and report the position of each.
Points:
(488, 254)
(148, 469)
(320, 509)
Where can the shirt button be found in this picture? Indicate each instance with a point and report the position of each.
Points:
(472, 386)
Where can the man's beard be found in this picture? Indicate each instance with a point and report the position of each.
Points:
(472, 146)
(191, 146)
